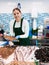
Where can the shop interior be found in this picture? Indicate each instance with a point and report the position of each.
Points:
(36, 12)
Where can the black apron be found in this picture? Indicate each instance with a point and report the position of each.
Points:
(18, 31)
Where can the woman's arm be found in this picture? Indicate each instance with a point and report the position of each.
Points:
(25, 29)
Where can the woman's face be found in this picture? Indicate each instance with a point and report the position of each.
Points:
(17, 15)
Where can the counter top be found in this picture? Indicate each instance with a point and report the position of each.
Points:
(42, 41)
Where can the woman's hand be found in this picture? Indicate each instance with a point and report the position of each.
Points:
(17, 36)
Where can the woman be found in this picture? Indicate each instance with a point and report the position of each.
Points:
(19, 28)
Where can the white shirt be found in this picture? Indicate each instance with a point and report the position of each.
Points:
(25, 28)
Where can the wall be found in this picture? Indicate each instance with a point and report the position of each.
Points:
(27, 6)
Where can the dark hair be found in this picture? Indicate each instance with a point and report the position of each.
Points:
(17, 9)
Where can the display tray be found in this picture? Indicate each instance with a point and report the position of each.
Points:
(42, 63)
(11, 38)
(21, 63)
(6, 51)
(18, 55)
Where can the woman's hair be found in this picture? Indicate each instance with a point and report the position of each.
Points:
(17, 9)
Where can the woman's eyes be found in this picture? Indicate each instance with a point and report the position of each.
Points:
(16, 13)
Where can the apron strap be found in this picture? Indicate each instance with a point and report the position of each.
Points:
(15, 22)
(21, 22)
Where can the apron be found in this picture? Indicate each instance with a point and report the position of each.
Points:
(18, 31)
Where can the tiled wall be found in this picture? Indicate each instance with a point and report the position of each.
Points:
(41, 17)
(5, 18)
